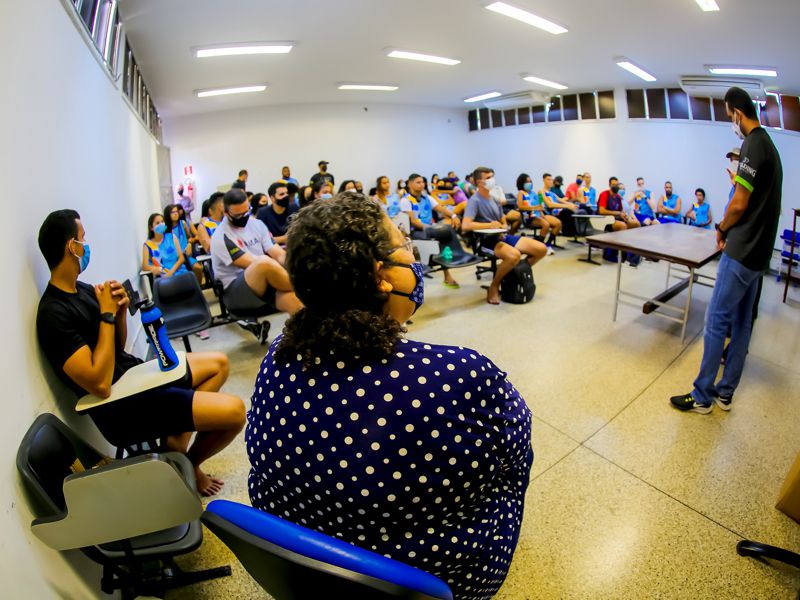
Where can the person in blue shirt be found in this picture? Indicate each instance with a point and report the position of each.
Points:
(214, 213)
(643, 204)
(389, 202)
(528, 201)
(589, 203)
(732, 156)
(178, 227)
(669, 205)
(700, 213)
(161, 253)
(286, 175)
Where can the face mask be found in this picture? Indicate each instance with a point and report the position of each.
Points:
(239, 221)
(417, 295)
(614, 189)
(325, 197)
(489, 183)
(83, 261)
(669, 193)
(737, 129)
(282, 202)
(622, 193)
(579, 181)
(735, 166)
(161, 228)
(528, 186)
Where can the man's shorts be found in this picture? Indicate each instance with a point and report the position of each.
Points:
(669, 219)
(489, 242)
(642, 218)
(239, 296)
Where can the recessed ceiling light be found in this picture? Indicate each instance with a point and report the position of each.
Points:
(374, 88)
(243, 49)
(485, 96)
(733, 70)
(632, 68)
(545, 82)
(523, 15)
(242, 89)
(708, 5)
(423, 57)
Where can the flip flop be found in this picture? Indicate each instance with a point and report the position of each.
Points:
(452, 286)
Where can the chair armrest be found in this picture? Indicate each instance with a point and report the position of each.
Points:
(124, 499)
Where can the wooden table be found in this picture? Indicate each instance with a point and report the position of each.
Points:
(675, 244)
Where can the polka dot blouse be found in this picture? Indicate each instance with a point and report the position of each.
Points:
(423, 457)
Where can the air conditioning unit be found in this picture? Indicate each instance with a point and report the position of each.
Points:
(517, 100)
(716, 87)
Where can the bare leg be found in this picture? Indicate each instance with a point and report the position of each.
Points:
(514, 220)
(197, 269)
(287, 302)
(619, 226)
(265, 272)
(209, 370)
(534, 250)
(509, 257)
(544, 227)
(555, 223)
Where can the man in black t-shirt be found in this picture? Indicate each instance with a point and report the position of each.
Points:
(82, 331)
(323, 174)
(277, 215)
(746, 236)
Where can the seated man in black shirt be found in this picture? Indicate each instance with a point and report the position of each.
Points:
(277, 215)
(82, 330)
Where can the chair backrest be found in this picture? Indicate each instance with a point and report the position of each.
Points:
(292, 562)
(180, 294)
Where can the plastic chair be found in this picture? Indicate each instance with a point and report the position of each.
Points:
(183, 305)
(292, 562)
(460, 258)
(132, 516)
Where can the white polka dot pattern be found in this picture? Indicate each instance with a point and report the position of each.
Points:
(424, 457)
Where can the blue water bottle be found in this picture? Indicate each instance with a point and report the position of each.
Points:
(156, 331)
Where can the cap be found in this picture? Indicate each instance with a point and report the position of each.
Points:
(733, 152)
(322, 162)
(559, 179)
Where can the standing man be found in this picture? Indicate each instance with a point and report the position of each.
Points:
(184, 200)
(286, 175)
(276, 215)
(746, 236)
(323, 174)
(241, 181)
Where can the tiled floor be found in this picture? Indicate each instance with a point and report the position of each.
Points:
(628, 497)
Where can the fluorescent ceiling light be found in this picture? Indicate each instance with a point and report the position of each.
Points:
(523, 15)
(243, 49)
(751, 71)
(708, 5)
(242, 89)
(545, 82)
(374, 88)
(632, 68)
(483, 97)
(422, 57)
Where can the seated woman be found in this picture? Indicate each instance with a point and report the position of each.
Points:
(417, 451)
(162, 252)
(700, 213)
(389, 202)
(176, 226)
(348, 185)
(321, 190)
(531, 202)
(257, 202)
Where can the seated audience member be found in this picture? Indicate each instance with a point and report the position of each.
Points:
(513, 217)
(434, 180)
(484, 212)
(390, 203)
(359, 187)
(277, 215)
(304, 196)
(562, 209)
(669, 206)
(184, 200)
(589, 195)
(162, 254)
(322, 190)
(188, 225)
(700, 213)
(241, 181)
(323, 175)
(575, 189)
(215, 212)
(468, 185)
(558, 182)
(642, 202)
(610, 203)
(258, 201)
(381, 460)
(348, 185)
(529, 201)
(176, 226)
(248, 263)
(401, 188)
(420, 207)
(286, 175)
(82, 330)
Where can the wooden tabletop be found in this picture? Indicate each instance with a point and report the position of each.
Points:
(689, 246)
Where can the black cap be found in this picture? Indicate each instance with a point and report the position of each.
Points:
(322, 162)
(559, 179)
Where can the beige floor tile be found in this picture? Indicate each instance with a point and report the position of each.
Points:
(549, 446)
(775, 334)
(593, 531)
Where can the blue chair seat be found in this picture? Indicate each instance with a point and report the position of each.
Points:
(293, 545)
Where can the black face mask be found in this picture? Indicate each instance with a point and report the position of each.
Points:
(614, 189)
(282, 202)
(239, 221)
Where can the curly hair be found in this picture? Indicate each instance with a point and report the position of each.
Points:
(330, 256)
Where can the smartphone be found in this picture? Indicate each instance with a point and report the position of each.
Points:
(133, 296)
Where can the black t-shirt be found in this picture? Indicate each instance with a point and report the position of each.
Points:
(325, 176)
(276, 223)
(65, 322)
(751, 240)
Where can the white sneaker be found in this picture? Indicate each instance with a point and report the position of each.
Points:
(550, 251)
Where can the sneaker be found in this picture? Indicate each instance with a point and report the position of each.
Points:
(550, 251)
(203, 335)
(723, 402)
(686, 402)
(251, 326)
(263, 334)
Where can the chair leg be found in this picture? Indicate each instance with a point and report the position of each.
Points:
(759, 550)
(186, 343)
(175, 577)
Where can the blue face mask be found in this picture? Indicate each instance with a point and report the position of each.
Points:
(161, 228)
(325, 197)
(83, 261)
(622, 193)
(528, 186)
(417, 295)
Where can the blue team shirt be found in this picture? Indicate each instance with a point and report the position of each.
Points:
(591, 196)
(700, 215)
(643, 206)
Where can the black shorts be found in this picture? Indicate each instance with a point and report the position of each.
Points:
(239, 296)
(149, 415)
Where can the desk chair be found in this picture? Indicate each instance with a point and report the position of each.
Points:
(486, 254)
(249, 319)
(131, 516)
(292, 562)
(460, 258)
(183, 305)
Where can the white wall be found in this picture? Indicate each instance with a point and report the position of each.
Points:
(690, 155)
(69, 141)
(387, 139)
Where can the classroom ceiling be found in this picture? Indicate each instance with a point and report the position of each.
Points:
(345, 41)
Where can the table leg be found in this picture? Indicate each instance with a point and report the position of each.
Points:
(688, 305)
(616, 293)
(669, 273)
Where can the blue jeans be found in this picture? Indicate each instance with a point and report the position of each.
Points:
(730, 310)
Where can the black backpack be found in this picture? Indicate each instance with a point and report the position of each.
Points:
(518, 286)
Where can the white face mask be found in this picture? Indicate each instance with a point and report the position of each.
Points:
(737, 129)
(490, 183)
(735, 166)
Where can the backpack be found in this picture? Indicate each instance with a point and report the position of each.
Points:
(518, 286)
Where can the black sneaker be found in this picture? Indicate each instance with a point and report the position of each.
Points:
(263, 334)
(686, 402)
(251, 326)
(723, 402)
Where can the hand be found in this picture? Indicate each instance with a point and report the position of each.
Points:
(496, 225)
(720, 240)
(105, 298)
(454, 222)
(732, 175)
(121, 296)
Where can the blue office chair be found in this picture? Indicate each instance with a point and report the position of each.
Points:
(292, 562)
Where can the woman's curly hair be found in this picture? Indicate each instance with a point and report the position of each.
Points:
(331, 253)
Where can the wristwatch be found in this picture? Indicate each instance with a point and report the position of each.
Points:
(108, 317)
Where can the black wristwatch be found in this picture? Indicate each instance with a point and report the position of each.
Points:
(108, 317)
(720, 229)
